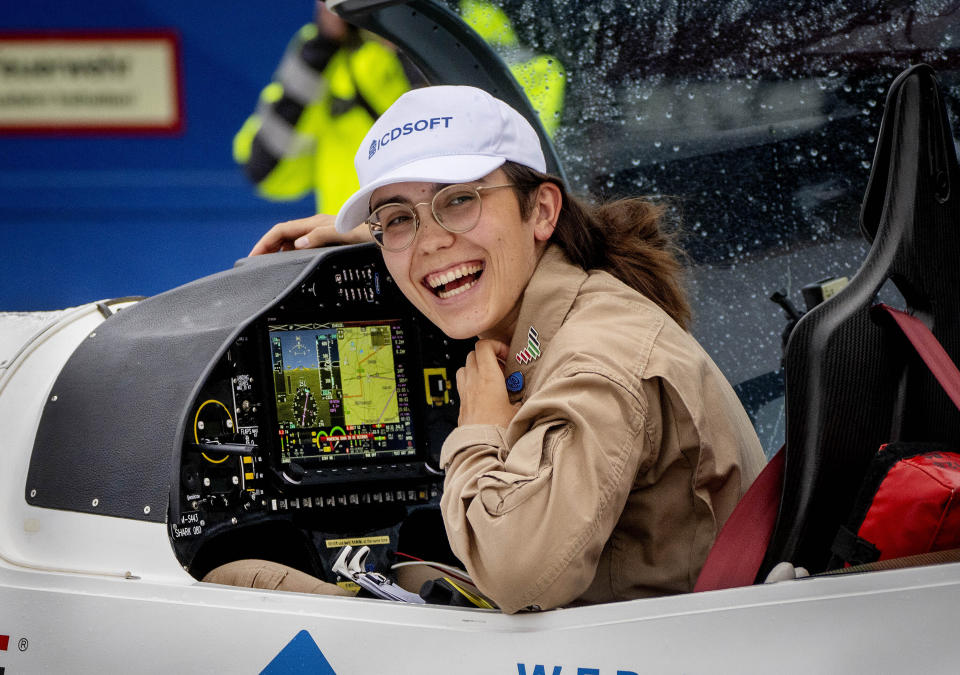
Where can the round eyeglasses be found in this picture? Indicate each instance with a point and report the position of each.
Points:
(456, 208)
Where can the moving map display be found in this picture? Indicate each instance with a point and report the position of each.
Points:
(341, 391)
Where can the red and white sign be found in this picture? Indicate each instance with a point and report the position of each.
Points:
(82, 82)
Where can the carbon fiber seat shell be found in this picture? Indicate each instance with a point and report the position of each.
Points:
(852, 384)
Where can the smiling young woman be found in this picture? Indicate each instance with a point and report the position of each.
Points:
(599, 448)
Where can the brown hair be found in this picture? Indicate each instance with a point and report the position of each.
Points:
(626, 238)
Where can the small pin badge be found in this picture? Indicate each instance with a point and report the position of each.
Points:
(532, 351)
(515, 382)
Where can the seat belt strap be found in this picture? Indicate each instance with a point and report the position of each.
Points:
(740, 547)
(930, 350)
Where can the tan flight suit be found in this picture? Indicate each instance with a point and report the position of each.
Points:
(628, 453)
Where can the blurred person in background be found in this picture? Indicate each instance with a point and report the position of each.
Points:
(332, 83)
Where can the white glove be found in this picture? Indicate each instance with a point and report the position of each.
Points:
(785, 571)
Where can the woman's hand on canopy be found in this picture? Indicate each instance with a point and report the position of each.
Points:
(483, 392)
(312, 232)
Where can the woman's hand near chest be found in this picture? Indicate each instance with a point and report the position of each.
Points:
(483, 393)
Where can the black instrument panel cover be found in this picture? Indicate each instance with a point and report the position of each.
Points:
(109, 442)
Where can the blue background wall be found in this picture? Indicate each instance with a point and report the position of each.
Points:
(89, 217)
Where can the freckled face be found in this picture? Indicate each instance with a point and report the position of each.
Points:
(468, 284)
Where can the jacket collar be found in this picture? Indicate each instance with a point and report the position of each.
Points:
(546, 302)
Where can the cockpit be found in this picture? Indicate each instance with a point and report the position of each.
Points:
(324, 417)
(316, 424)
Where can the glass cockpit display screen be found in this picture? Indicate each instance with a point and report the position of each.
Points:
(341, 391)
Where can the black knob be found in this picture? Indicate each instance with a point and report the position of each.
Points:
(294, 472)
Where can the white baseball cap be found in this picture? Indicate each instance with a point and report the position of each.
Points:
(442, 134)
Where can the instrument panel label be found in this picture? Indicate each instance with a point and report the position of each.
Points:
(190, 525)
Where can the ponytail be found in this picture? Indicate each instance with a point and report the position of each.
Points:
(626, 238)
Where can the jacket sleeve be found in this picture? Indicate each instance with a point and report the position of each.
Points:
(528, 509)
(273, 145)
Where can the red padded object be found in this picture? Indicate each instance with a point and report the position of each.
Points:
(916, 508)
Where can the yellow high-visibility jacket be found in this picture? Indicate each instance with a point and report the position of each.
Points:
(312, 117)
(541, 75)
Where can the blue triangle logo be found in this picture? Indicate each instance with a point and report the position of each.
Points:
(301, 655)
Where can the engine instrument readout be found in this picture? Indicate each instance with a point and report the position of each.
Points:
(341, 391)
